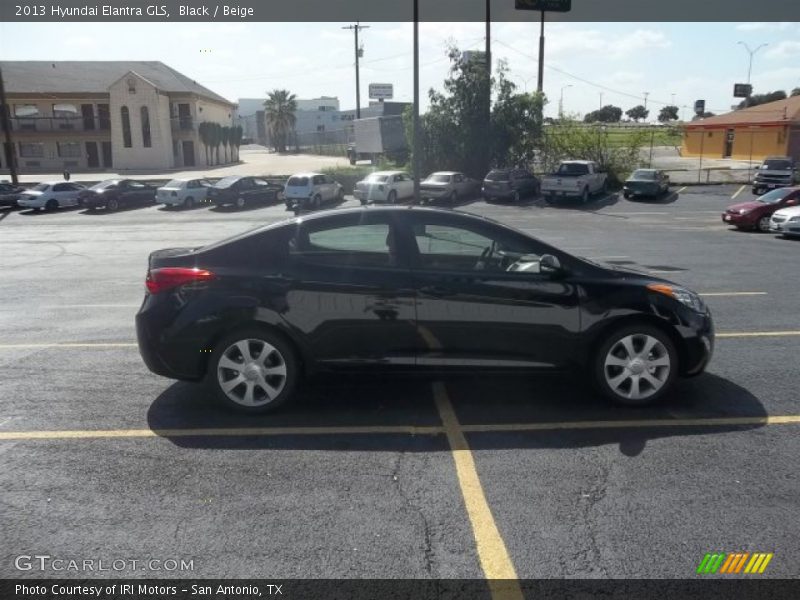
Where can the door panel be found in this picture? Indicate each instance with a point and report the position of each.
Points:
(107, 163)
(92, 157)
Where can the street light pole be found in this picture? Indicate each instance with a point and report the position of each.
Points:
(417, 128)
(750, 65)
(540, 86)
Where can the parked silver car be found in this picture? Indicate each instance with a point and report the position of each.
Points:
(449, 186)
(183, 192)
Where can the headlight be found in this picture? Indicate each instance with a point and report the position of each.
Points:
(794, 219)
(743, 211)
(680, 294)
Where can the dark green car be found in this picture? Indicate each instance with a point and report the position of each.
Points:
(646, 183)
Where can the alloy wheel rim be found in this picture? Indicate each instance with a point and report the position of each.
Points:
(251, 372)
(637, 366)
(763, 223)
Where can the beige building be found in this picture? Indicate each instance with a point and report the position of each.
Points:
(83, 115)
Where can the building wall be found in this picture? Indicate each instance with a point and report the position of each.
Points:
(160, 153)
(755, 142)
(48, 143)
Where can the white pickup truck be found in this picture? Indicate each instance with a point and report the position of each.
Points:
(575, 179)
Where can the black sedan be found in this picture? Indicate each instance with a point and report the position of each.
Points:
(241, 191)
(115, 193)
(9, 194)
(409, 289)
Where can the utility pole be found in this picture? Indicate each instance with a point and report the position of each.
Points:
(487, 128)
(356, 28)
(417, 128)
(540, 86)
(5, 111)
(601, 100)
(561, 101)
(646, 94)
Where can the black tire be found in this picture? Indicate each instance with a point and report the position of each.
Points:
(317, 202)
(51, 205)
(516, 197)
(585, 195)
(112, 204)
(626, 195)
(188, 203)
(340, 195)
(241, 202)
(763, 224)
(254, 336)
(392, 197)
(453, 198)
(598, 365)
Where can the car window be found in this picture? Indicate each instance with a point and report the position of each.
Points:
(318, 180)
(136, 185)
(61, 187)
(260, 182)
(361, 244)
(297, 181)
(465, 248)
(458, 178)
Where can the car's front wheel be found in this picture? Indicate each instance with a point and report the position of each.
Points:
(112, 204)
(51, 205)
(253, 371)
(188, 204)
(763, 224)
(635, 365)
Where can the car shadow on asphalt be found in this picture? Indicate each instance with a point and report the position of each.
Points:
(496, 412)
(35, 212)
(595, 204)
(121, 210)
(659, 200)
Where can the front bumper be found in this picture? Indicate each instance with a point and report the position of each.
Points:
(746, 220)
(785, 227)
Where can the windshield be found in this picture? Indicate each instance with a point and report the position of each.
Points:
(573, 169)
(498, 176)
(644, 174)
(104, 184)
(40, 187)
(297, 181)
(439, 178)
(776, 165)
(175, 183)
(774, 196)
(375, 178)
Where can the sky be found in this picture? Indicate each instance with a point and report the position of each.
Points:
(679, 62)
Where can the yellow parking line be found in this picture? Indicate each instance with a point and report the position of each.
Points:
(739, 191)
(494, 558)
(747, 334)
(633, 424)
(219, 432)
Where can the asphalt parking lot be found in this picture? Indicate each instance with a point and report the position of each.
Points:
(459, 478)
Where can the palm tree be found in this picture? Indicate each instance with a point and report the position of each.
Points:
(216, 139)
(280, 108)
(236, 138)
(226, 140)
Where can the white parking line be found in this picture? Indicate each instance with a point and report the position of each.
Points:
(739, 191)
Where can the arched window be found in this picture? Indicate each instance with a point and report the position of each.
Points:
(146, 127)
(126, 127)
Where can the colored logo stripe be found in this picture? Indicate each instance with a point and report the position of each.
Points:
(734, 562)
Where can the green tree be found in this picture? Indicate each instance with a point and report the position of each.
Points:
(280, 110)
(795, 92)
(517, 123)
(637, 113)
(225, 140)
(216, 139)
(668, 113)
(607, 114)
(757, 99)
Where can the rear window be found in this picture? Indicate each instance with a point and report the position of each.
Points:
(644, 174)
(297, 181)
(175, 183)
(498, 175)
(439, 178)
(104, 184)
(573, 169)
(375, 178)
(42, 187)
(226, 182)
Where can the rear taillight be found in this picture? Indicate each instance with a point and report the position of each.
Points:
(167, 278)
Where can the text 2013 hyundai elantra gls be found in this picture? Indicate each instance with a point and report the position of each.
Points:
(409, 289)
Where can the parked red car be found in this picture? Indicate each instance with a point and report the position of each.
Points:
(756, 213)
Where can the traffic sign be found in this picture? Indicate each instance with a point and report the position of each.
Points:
(381, 91)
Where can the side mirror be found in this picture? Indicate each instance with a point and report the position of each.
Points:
(550, 265)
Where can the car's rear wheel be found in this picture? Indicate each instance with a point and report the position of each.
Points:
(240, 202)
(453, 198)
(340, 195)
(253, 371)
(585, 195)
(112, 204)
(636, 365)
(317, 202)
(188, 203)
(392, 198)
(763, 223)
(51, 204)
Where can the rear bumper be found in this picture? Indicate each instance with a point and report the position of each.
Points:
(176, 360)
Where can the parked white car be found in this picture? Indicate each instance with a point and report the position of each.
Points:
(51, 195)
(311, 190)
(384, 186)
(185, 193)
(786, 221)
